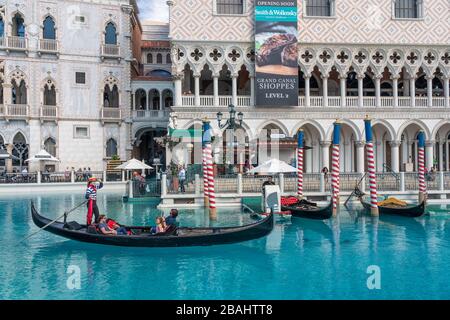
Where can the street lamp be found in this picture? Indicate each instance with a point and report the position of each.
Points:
(231, 121)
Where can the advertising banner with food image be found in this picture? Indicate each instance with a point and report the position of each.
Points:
(276, 53)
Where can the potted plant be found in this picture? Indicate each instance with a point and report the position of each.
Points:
(174, 173)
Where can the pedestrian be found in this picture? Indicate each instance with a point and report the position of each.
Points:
(182, 179)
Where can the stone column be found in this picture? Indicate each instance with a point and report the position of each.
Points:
(197, 90)
(360, 156)
(441, 156)
(360, 90)
(8, 162)
(178, 91)
(325, 91)
(216, 90)
(429, 159)
(343, 85)
(430, 91)
(378, 91)
(446, 92)
(395, 164)
(252, 90)
(325, 145)
(234, 89)
(307, 90)
(412, 91)
(395, 90)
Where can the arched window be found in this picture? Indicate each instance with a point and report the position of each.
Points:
(2, 147)
(2, 27)
(320, 8)
(140, 99)
(153, 99)
(110, 34)
(49, 31)
(167, 96)
(20, 150)
(111, 97)
(111, 148)
(159, 73)
(159, 58)
(18, 26)
(149, 58)
(19, 92)
(168, 58)
(408, 9)
(50, 95)
(50, 146)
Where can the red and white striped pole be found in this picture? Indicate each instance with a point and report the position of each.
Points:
(371, 168)
(335, 182)
(205, 169)
(300, 148)
(422, 184)
(210, 168)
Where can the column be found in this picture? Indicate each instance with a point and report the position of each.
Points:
(378, 91)
(360, 156)
(412, 91)
(307, 90)
(430, 91)
(252, 90)
(161, 101)
(325, 91)
(429, 160)
(8, 162)
(178, 93)
(234, 89)
(447, 154)
(446, 92)
(133, 103)
(395, 90)
(360, 90)
(343, 86)
(325, 145)
(395, 163)
(197, 90)
(441, 156)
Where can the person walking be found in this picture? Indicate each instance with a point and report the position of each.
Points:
(182, 179)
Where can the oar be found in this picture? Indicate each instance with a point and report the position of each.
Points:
(53, 221)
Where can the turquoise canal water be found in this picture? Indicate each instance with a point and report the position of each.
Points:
(300, 259)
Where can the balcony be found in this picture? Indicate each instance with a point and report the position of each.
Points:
(17, 43)
(48, 46)
(111, 115)
(48, 113)
(17, 112)
(224, 101)
(110, 51)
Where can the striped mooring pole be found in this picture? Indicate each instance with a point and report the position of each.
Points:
(209, 163)
(371, 167)
(300, 148)
(422, 184)
(336, 167)
(205, 169)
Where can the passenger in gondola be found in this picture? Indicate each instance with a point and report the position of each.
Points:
(171, 220)
(103, 226)
(160, 226)
(113, 225)
(91, 195)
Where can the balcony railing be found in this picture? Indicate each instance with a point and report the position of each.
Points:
(110, 51)
(2, 110)
(2, 42)
(151, 115)
(17, 111)
(48, 113)
(48, 45)
(111, 115)
(17, 43)
(224, 101)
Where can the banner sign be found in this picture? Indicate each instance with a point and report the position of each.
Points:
(276, 53)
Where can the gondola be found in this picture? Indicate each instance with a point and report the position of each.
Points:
(411, 211)
(141, 237)
(309, 210)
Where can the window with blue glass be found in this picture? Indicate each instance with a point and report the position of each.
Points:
(18, 26)
(49, 31)
(2, 27)
(110, 34)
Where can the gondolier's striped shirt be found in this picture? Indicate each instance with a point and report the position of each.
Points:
(91, 191)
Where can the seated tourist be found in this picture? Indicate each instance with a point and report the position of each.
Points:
(113, 225)
(172, 219)
(103, 226)
(160, 226)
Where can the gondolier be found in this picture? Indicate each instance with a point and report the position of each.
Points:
(93, 185)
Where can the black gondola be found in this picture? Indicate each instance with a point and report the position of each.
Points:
(309, 211)
(411, 211)
(141, 236)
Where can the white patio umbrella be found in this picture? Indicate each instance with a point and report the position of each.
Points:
(134, 164)
(5, 155)
(42, 156)
(273, 166)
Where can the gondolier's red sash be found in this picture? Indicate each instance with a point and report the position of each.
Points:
(90, 211)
